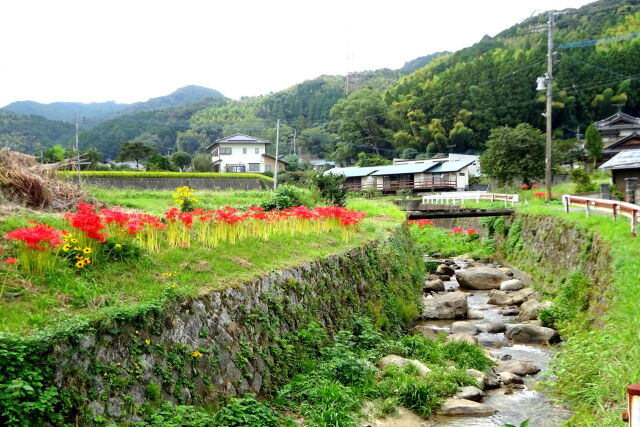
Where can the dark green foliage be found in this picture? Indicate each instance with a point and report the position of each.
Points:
(331, 188)
(26, 393)
(593, 143)
(153, 391)
(32, 134)
(246, 412)
(159, 163)
(136, 151)
(370, 159)
(202, 163)
(170, 415)
(582, 180)
(114, 249)
(514, 153)
(284, 197)
(573, 299)
(181, 159)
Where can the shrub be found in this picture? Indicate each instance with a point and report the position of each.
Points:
(246, 412)
(331, 188)
(371, 193)
(286, 196)
(582, 181)
(178, 416)
(405, 193)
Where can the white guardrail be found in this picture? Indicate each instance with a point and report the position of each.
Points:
(461, 196)
(612, 207)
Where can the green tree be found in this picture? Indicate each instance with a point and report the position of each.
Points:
(202, 163)
(593, 143)
(191, 141)
(136, 151)
(514, 153)
(53, 154)
(181, 159)
(371, 159)
(158, 162)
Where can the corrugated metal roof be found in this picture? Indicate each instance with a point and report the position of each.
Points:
(454, 166)
(627, 159)
(354, 171)
(402, 169)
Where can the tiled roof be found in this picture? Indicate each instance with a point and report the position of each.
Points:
(240, 138)
(628, 159)
(626, 119)
(615, 147)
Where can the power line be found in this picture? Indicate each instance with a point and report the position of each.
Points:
(593, 42)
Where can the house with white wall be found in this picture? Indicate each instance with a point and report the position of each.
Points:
(241, 153)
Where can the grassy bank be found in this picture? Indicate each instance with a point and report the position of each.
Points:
(108, 288)
(182, 175)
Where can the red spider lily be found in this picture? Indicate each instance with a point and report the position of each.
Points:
(421, 223)
(115, 216)
(534, 186)
(39, 237)
(540, 195)
(524, 187)
(471, 231)
(456, 230)
(88, 221)
(10, 261)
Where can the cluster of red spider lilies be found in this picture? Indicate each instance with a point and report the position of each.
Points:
(93, 231)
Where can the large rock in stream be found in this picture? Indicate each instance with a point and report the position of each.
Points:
(531, 334)
(452, 305)
(481, 278)
(453, 406)
(530, 309)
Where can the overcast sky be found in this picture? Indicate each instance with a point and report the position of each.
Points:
(132, 50)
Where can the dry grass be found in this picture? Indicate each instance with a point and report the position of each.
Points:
(26, 182)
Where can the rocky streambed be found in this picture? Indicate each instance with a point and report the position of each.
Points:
(492, 306)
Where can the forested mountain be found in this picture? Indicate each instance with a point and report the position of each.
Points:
(453, 102)
(100, 111)
(31, 134)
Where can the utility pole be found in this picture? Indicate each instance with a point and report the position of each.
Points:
(275, 172)
(549, 81)
(294, 141)
(78, 147)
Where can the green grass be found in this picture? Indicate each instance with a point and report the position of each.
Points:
(432, 240)
(108, 288)
(156, 201)
(340, 377)
(139, 174)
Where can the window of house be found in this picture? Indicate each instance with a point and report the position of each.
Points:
(254, 167)
(225, 151)
(244, 150)
(257, 150)
(214, 152)
(461, 174)
(267, 168)
(235, 168)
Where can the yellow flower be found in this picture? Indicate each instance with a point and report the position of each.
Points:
(196, 354)
(66, 247)
(147, 341)
(87, 250)
(77, 248)
(79, 257)
(80, 264)
(194, 200)
(87, 260)
(118, 245)
(172, 286)
(175, 196)
(180, 202)
(74, 240)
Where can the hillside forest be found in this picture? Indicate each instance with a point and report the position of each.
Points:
(445, 102)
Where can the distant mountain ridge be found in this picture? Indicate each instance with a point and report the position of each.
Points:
(101, 111)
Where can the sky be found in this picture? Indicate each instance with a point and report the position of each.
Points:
(133, 50)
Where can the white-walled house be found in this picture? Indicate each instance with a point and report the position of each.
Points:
(240, 153)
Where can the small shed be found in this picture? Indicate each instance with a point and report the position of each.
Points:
(625, 164)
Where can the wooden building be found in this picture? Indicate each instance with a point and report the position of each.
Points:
(625, 164)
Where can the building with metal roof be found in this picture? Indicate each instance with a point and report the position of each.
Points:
(625, 164)
(439, 174)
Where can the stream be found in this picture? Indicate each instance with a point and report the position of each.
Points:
(513, 404)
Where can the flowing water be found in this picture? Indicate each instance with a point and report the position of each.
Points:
(514, 405)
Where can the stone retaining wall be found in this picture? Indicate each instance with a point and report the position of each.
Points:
(171, 183)
(229, 342)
